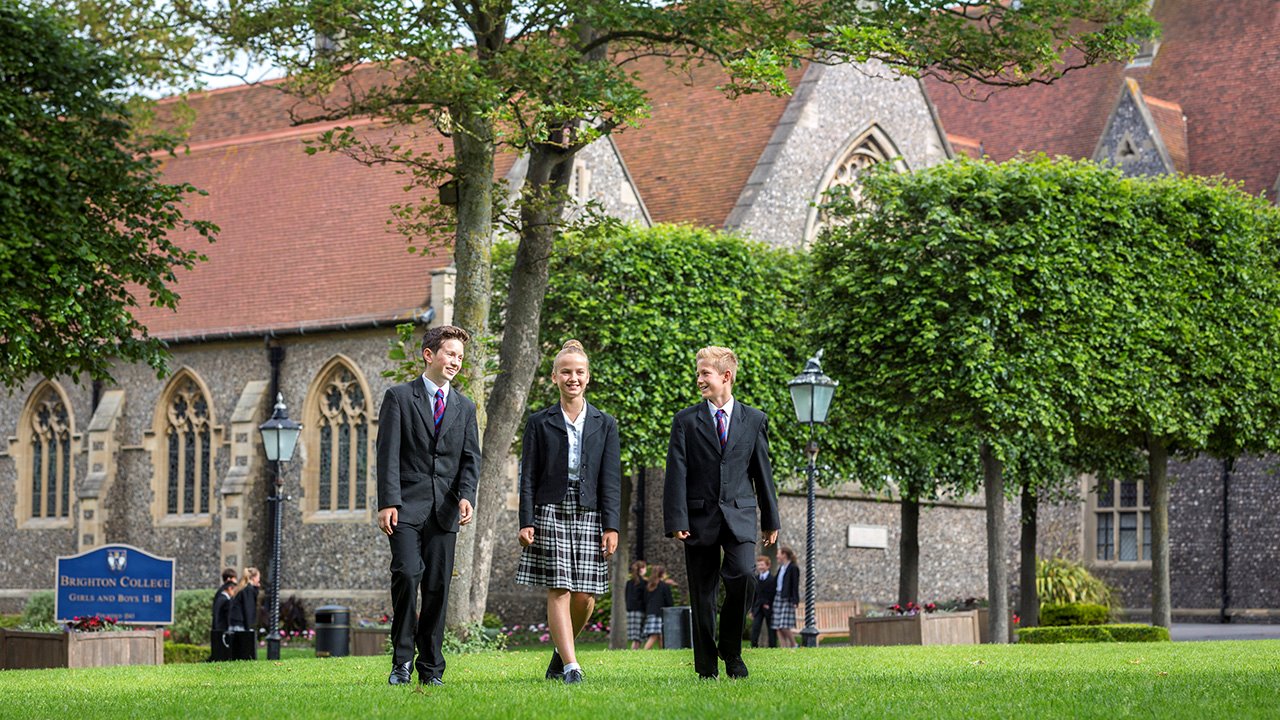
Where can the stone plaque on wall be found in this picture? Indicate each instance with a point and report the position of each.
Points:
(868, 536)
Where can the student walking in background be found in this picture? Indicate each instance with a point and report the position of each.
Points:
(786, 597)
(570, 506)
(762, 607)
(219, 644)
(718, 473)
(243, 625)
(657, 595)
(635, 604)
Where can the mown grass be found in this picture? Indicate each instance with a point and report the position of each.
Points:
(1115, 680)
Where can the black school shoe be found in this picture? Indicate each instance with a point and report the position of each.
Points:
(555, 670)
(735, 668)
(400, 674)
(573, 677)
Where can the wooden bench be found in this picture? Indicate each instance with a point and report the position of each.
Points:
(831, 617)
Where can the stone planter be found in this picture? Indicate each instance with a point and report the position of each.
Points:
(369, 641)
(23, 650)
(959, 628)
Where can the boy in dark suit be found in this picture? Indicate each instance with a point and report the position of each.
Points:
(718, 472)
(428, 468)
(762, 608)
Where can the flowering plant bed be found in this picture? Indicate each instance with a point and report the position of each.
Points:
(76, 649)
(957, 628)
(535, 634)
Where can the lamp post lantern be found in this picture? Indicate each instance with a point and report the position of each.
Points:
(811, 393)
(279, 438)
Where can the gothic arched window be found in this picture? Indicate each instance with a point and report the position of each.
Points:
(338, 441)
(44, 456)
(184, 449)
(868, 148)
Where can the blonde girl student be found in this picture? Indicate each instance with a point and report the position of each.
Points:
(570, 505)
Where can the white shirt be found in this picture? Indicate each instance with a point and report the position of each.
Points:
(728, 414)
(782, 570)
(574, 429)
(431, 391)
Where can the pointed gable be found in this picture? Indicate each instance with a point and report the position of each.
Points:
(1131, 141)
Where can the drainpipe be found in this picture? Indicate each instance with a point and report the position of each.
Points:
(1227, 466)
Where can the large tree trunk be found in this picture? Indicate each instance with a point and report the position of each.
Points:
(521, 354)
(997, 573)
(1028, 598)
(1158, 482)
(621, 570)
(473, 151)
(909, 552)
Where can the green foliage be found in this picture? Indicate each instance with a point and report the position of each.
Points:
(1074, 614)
(603, 611)
(89, 230)
(1093, 634)
(1060, 581)
(175, 652)
(9, 621)
(39, 609)
(472, 638)
(192, 617)
(635, 300)
(491, 621)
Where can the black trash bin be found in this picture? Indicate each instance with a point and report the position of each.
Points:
(333, 631)
(677, 627)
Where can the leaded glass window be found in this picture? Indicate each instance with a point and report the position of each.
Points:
(50, 456)
(1122, 519)
(344, 443)
(189, 450)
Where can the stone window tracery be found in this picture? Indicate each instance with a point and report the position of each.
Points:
(49, 462)
(188, 447)
(868, 149)
(338, 439)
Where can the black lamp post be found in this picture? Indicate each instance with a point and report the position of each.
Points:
(811, 393)
(279, 438)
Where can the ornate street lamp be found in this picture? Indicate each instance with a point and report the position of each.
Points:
(811, 393)
(279, 438)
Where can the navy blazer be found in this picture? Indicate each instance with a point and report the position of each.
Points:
(707, 487)
(418, 471)
(544, 464)
(790, 591)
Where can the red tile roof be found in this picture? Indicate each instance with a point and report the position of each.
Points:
(970, 147)
(1172, 126)
(304, 239)
(1219, 61)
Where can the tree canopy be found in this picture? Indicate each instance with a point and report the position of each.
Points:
(87, 227)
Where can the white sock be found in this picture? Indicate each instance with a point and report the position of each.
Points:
(572, 666)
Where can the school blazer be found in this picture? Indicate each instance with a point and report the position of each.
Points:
(544, 464)
(418, 472)
(790, 585)
(708, 488)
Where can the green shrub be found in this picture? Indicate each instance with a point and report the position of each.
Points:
(1134, 632)
(1074, 614)
(603, 610)
(10, 621)
(1093, 633)
(175, 653)
(491, 621)
(192, 617)
(472, 638)
(39, 609)
(1060, 581)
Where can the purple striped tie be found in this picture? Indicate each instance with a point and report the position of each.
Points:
(721, 430)
(439, 411)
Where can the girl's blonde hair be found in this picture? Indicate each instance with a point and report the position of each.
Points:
(249, 573)
(571, 347)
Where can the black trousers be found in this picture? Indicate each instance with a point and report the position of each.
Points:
(421, 561)
(762, 625)
(730, 561)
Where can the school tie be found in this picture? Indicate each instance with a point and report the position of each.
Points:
(721, 430)
(439, 411)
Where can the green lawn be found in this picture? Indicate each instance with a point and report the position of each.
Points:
(1156, 680)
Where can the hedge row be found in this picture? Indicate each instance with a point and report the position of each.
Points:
(183, 653)
(1074, 614)
(1094, 633)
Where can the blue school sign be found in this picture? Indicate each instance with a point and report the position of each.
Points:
(118, 581)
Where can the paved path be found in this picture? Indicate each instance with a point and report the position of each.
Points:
(1218, 631)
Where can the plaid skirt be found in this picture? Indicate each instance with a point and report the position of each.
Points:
(565, 553)
(652, 624)
(784, 615)
(635, 625)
